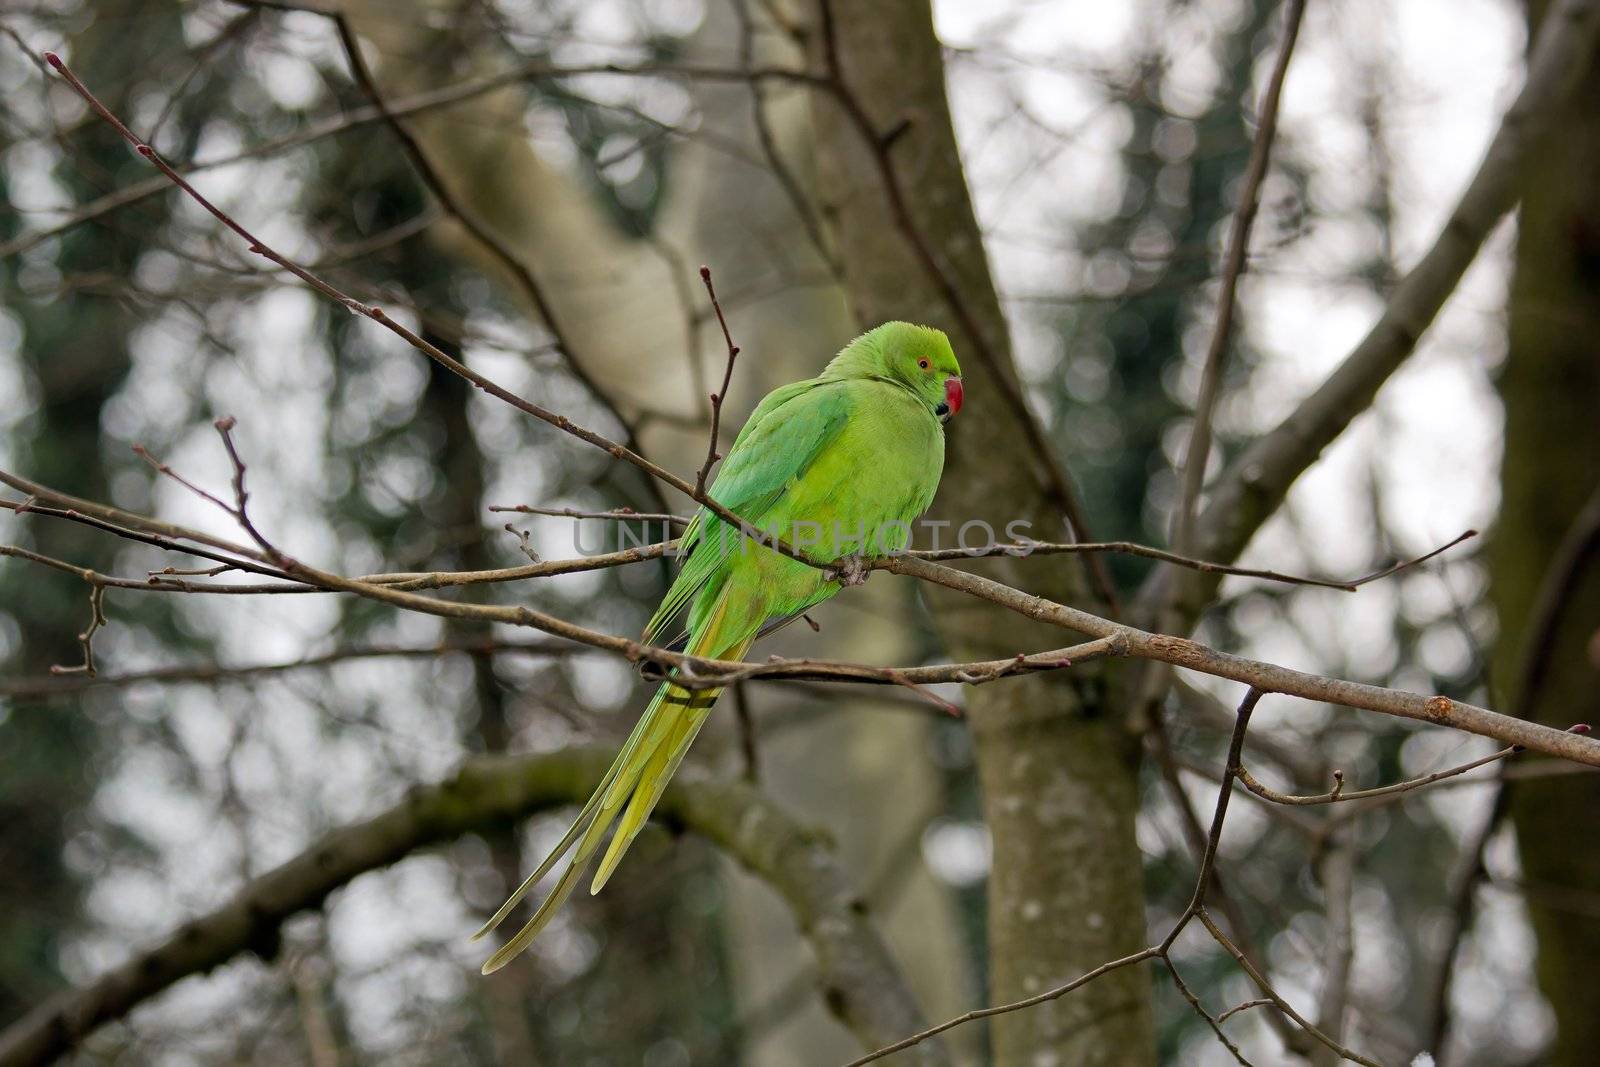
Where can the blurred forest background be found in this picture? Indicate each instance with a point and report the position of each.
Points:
(1102, 146)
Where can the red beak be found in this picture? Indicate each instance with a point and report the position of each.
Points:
(953, 394)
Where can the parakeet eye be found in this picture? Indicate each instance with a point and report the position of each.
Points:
(922, 363)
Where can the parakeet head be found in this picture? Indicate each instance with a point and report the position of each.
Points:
(917, 357)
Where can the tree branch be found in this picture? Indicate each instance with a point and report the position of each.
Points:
(477, 229)
(695, 672)
(721, 395)
(1181, 652)
(1192, 471)
(1337, 794)
(1162, 949)
(1113, 638)
(861, 983)
(416, 104)
(421, 344)
(1251, 489)
(45, 688)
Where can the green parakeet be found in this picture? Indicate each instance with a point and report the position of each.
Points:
(839, 465)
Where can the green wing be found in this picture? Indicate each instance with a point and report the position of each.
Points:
(788, 430)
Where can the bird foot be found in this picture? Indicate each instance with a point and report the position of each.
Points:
(849, 571)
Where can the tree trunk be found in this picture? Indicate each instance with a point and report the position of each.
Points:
(1551, 389)
(1056, 769)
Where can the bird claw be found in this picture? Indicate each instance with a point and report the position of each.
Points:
(849, 571)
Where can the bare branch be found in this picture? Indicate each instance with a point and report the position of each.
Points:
(1181, 652)
(1115, 639)
(1251, 489)
(1130, 548)
(432, 351)
(45, 688)
(1162, 950)
(1215, 1023)
(1197, 451)
(620, 514)
(420, 103)
(1230, 771)
(129, 526)
(475, 227)
(717, 398)
(1158, 742)
(97, 619)
(1260, 1002)
(166, 580)
(1000, 1009)
(866, 989)
(1337, 793)
(524, 543)
(1273, 995)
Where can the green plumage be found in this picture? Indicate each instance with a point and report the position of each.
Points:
(839, 465)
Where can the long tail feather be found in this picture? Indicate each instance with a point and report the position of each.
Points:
(631, 788)
(653, 780)
(552, 903)
(581, 823)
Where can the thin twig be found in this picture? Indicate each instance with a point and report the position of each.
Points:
(1338, 795)
(1001, 1009)
(1198, 449)
(97, 619)
(620, 514)
(42, 688)
(1230, 771)
(475, 227)
(162, 469)
(1395, 568)
(1212, 1021)
(433, 100)
(169, 540)
(717, 398)
(1158, 741)
(1272, 994)
(1047, 548)
(1162, 949)
(166, 580)
(1256, 482)
(524, 543)
(432, 351)
(1260, 1002)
